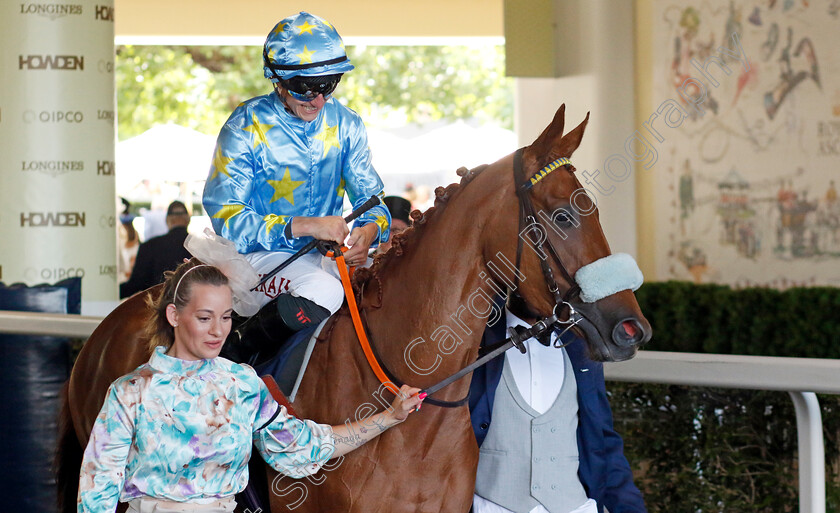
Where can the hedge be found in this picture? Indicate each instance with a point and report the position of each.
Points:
(707, 450)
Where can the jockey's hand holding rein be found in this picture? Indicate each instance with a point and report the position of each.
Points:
(348, 437)
(334, 228)
(359, 243)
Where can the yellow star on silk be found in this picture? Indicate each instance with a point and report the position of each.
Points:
(340, 189)
(306, 27)
(220, 163)
(306, 55)
(280, 28)
(285, 188)
(228, 212)
(272, 220)
(328, 24)
(382, 221)
(329, 135)
(259, 130)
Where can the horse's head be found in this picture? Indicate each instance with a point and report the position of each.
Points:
(559, 240)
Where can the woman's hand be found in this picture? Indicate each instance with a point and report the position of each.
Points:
(407, 401)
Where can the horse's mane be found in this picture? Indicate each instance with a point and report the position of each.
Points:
(408, 238)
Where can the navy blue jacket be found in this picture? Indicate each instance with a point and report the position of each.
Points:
(604, 471)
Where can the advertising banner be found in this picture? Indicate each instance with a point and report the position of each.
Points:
(57, 133)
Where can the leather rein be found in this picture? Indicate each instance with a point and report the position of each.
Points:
(518, 335)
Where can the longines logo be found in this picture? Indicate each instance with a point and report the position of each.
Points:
(51, 11)
(105, 115)
(105, 167)
(104, 12)
(108, 270)
(52, 167)
(53, 116)
(38, 219)
(61, 62)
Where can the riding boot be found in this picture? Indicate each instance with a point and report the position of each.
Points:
(261, 337)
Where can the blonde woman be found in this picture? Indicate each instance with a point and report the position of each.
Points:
(176, 433)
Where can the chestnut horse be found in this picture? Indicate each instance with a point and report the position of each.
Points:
(426, 303)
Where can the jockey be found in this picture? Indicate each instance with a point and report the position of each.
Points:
(281, 168)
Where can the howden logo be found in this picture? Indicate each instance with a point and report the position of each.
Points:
(104, 12)
(105, 167)
(63, 219)
(60, 62)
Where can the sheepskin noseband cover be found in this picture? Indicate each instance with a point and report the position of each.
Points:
(607, 276)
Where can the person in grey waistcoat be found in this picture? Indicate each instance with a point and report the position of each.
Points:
(551, 446)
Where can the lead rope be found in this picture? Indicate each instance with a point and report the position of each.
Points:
(385, 377)
(357, 320)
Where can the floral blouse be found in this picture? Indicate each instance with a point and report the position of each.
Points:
(182, 431)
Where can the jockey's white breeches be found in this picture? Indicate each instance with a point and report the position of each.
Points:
(312, 276)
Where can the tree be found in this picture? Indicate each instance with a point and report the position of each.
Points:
(199, 86)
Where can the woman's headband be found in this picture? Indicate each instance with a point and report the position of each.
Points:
(175, 295)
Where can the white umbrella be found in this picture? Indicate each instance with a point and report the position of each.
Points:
(164, 153)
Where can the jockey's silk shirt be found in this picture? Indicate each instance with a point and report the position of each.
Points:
(270, 166)
(182, 430)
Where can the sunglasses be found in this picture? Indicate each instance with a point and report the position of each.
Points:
(306, 89)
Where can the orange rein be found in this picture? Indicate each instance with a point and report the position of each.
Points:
(357, 320)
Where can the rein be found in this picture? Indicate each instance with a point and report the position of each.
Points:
(518, 335)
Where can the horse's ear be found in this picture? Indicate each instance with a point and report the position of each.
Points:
(553, 132)
(571, 141)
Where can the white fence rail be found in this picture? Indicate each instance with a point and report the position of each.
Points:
(800, 377)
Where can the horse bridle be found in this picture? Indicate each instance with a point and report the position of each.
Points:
(520, 334)
(528, 217)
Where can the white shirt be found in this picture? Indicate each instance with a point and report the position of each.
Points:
(539, 376)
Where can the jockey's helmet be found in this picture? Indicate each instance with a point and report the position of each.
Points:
(304, 45)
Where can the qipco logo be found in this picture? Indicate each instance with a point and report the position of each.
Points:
(53, 116)
(52, 274)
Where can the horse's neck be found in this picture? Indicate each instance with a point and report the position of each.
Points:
(426, 296)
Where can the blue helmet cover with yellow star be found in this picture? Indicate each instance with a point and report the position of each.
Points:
(304, 45)
(270, 166)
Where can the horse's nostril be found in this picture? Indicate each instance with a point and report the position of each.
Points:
(629, 328)
(628, 333)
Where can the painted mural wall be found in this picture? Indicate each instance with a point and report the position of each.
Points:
(746, 127)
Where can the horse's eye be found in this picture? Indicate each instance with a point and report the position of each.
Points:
(564, 220)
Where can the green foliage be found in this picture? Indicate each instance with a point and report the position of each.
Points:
(798, 322)
(199, 86)
(427, 83)
(720, 450)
